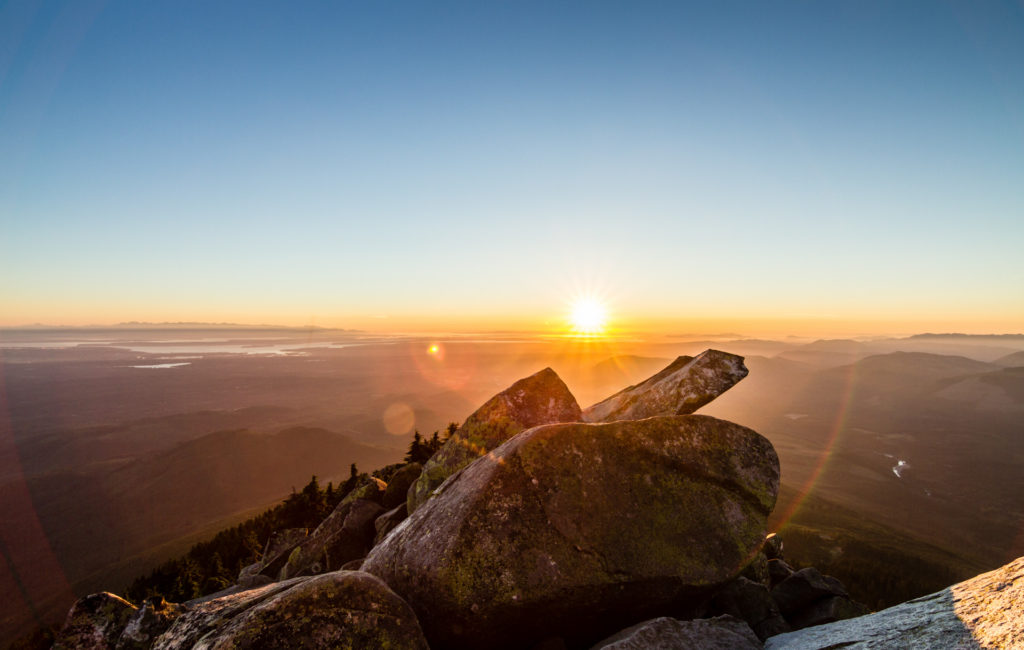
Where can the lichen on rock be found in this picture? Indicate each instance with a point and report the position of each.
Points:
(541, 398)
(565, 521)
(681, 388)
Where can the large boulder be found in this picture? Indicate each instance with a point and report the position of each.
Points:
(578, 530)
(345, 609)
(687, 384)
(719, 633)
(95, 622)
(983, 612)
(541, 398)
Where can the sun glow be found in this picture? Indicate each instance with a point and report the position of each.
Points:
(588, 317)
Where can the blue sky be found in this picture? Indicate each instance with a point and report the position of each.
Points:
(465, 165)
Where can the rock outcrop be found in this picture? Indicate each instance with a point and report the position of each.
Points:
(545, 534)
(398, 485)
(95, 622)
(274, 557)
(388, 521)
(148, 623)
(344, 609)
(983, 612)
(687, 384)
(719, 633)
(568, 524)
(345, 535)
(541, 398)
(751, 602)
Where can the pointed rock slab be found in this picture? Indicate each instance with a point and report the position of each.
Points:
(578, 530)
(541, 398)
(687, 384)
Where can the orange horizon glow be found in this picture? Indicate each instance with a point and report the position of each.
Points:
(537, 319)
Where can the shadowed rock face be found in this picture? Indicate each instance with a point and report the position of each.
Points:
(345, 609)
(541, 398)
(687, 384)
(95, 621)
(398, 485)
(719, 633)
(568, 528)
(983, 612)
(345, 535)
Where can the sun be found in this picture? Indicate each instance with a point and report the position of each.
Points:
(588, 317)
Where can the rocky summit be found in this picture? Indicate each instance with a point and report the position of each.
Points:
(633, 524)
(567, 528)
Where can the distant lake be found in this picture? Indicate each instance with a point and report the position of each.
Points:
(187, 346)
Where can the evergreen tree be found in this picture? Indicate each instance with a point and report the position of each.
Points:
(418, 451)
(434, 444)
(350, 483)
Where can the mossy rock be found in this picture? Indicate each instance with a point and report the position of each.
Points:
(574, 529)
(541, 398)
(398, 485)
(347, 610)
(95, 621)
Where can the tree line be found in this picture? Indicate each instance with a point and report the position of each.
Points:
(211, 566)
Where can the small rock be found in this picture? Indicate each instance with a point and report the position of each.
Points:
(804, 587)
(680, 389)
(773, 547)
(778, 571)
(388, 521)
(275, 555)
(345, 535)
(95, 622)
(757, 570)
(827, 610)
(751, 602)
(541, 398)
(398, 485)
(149, 622)
(719, 633)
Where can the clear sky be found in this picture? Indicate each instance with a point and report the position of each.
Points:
(433, 165)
